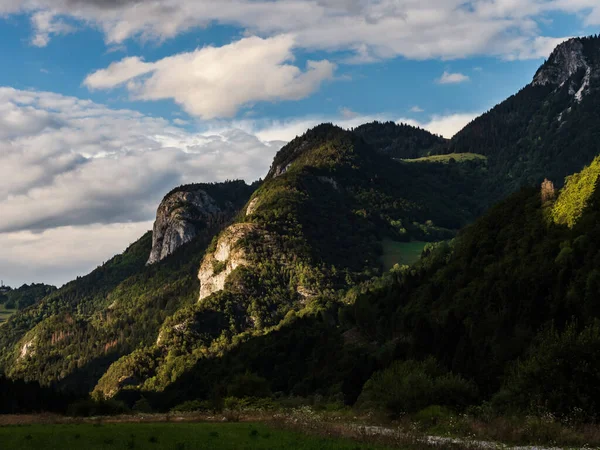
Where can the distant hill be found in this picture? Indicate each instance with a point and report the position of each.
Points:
(24, 296)
(400, 140)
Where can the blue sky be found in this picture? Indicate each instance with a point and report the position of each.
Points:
(105, 106)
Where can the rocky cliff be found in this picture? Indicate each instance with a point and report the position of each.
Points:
(573, 64)
(190, 210)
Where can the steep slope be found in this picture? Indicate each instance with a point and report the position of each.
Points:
(313, 227)
(549, 129)
(521, 283)
(189, 210)
(72, 336)
(400, 140)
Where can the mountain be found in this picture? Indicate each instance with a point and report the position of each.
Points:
(72, 336)
(549, 129)
(314, 227)
(278, 288)
(511, 303)
(401, 141)
(223, 264)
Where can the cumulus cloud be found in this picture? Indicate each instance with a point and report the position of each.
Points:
(66, 162)
(417, 109)
(217, 81)
(452, 78)
(371, 30)
(57, 255)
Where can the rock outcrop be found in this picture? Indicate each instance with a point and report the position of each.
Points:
(228, 255)
(564, 62)
(569, 65)
(191, 210)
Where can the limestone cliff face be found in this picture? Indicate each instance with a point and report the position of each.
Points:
(228, 255)
(566, 61)
(181, 217)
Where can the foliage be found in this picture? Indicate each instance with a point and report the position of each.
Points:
(576, 194)
(560, 375)
(25, 296)
(409, 386)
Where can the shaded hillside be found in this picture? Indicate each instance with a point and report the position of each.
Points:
(514, 285)
(549, 129)
(401, 140)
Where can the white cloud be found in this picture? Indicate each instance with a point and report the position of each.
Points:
(417, 109)
(371, 30)
(347, 113)
(45, 24)
(443, 125)
(452, 78)
(540, 47)
(65, 161)
(57, 255)
(217, 81)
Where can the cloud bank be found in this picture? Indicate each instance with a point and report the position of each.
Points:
(370, 29)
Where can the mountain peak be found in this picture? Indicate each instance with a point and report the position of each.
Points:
(574, 63)
(566, 60)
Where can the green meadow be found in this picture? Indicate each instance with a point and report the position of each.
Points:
(166, 436)
(403, 253)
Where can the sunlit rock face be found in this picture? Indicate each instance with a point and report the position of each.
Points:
(181, 217)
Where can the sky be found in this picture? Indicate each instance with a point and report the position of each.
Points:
(105, 105)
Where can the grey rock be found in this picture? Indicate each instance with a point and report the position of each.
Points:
(180, 218)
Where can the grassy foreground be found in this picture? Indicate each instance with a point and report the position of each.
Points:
(163, 436)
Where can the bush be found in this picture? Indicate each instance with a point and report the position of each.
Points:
(142, 406)
(561, 376)
(432, 415)
(193, 406)
(248, 385)
(409, 386)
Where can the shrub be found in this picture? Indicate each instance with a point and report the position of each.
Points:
(409, 386)
(432, 415)
(193, 405)
(248, 385)
(560, 376)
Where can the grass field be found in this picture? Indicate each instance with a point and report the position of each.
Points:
(163, 436)
(5, 314)
(445, 159)
(401, 252)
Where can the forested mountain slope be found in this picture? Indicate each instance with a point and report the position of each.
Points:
(313, 228)
(549, 129)
(71, 336)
